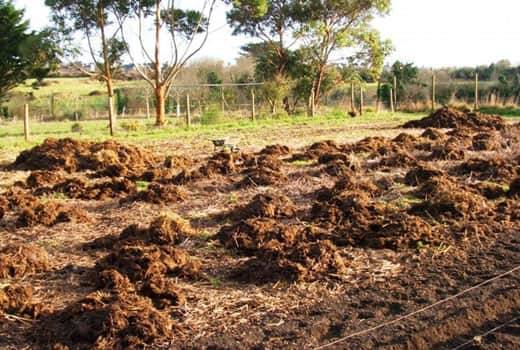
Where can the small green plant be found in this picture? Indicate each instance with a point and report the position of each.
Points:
(142, 185)
(420, 245)
(233, 198)
(131, 125)
(215, 282)
(76, 127)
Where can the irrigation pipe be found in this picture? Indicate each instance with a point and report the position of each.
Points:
(371, 329)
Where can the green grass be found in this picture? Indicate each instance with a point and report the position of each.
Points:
(503, 111)
(12, 140)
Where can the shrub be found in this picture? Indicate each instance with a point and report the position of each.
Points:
(131, 125)
(76, 127)
(210, 117)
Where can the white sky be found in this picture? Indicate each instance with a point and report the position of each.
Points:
(429, 33)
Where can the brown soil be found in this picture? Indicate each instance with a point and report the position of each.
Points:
(261, 177)
(377, 146)
(158, 194)
(433, 134)
(487, 141)
(18, 300)
(43, 178)
(4, 206)
(316, 150)
(448, 151)
(140, 262)
(304, 260)
(264, 205)
(514, 188)
(486, 169)
(79, 188)
(72, 155)
(22, 260)
(399, 160)
(165, 229)
(420, 174)
(19, 199)
(276, 150)
(490, 190)
(445, 198)
(49, 214)
(280, 251)
(104, 321)
(448, 118)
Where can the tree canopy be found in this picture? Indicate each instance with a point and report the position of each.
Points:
(25, 54)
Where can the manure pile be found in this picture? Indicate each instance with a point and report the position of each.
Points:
(259, 222)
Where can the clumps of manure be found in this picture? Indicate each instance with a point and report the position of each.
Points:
(487, 141)
(450, 118)
(43, 178)
(265, 205)
(485, 169)
(49, 214)
(18, 260)
(78, 188)
(514, 188)
(72, 155)
(158, 194)
(281, 251)
(105, 321)
(18, 300)
(276, 150)
(421, 174)
(444, 198)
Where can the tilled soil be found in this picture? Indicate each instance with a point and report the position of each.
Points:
(112, 246)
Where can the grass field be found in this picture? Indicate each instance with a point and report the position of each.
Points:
(245, 132)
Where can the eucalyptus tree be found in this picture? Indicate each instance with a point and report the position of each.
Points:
(25, 54)
(272, 23)
(186, 30)
(328, 26)
(94, 20)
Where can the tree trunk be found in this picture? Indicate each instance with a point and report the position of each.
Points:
(160, 98)
(111, 116)
(107, 73)
(160, 106)
(378, 98)
(317, 86)
(352, 99)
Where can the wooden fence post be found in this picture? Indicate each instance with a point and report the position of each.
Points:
(395, 92)
(147, 107)
(253, 105)
(378, 96)
(392, 100)
(361, 101)
(188, 111)
(52, 106)
(313, 103)
(352, 98)
(222, 100)
(476, 91)
(178, 107)
(26, 121)
(433, 91)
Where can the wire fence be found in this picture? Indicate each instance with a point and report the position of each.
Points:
(208, 103)
(421, 310)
